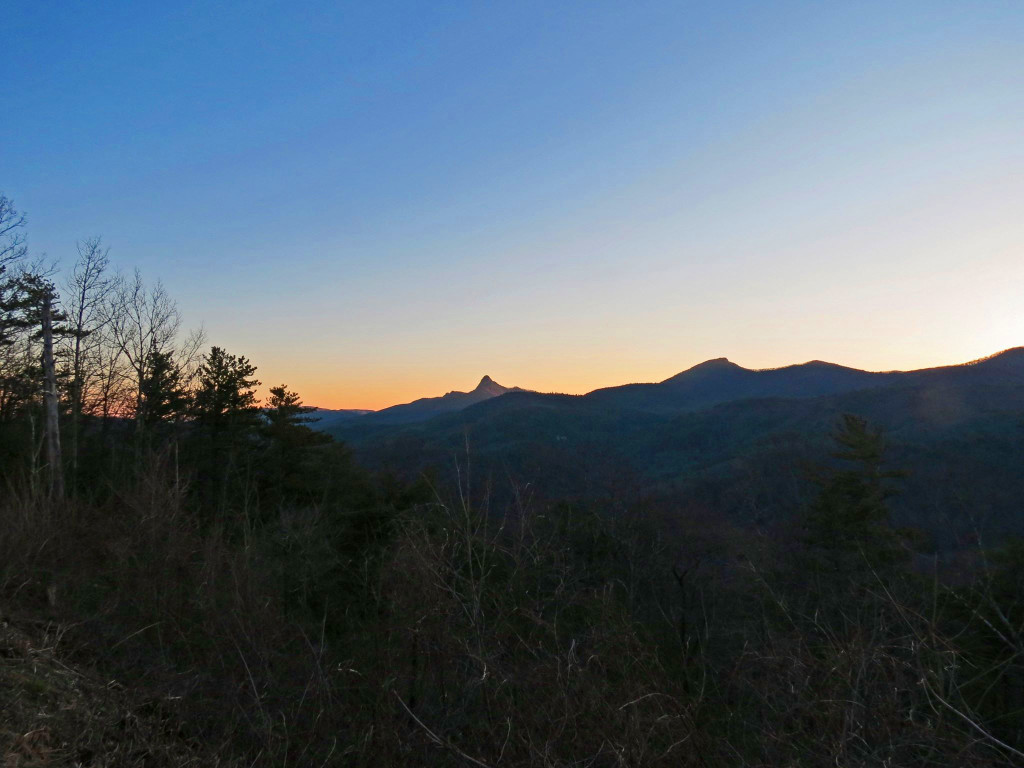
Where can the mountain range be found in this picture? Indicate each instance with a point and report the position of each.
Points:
(704, 385)
(736, 440)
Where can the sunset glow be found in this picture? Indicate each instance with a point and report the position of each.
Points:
(391, 200)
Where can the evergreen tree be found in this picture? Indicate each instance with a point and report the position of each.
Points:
(226, 420)
(289, 443)
(164, 398)
(225, 402)
(847, 530)
(286, 415)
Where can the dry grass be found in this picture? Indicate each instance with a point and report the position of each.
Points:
(452, 637)
(57, 714)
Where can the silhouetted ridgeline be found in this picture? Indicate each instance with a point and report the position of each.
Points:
(428, 407)
(740, 441)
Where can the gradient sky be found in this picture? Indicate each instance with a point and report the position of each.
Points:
(379, 201)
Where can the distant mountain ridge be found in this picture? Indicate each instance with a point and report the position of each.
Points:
(428, 407)
(739, 440)
(721, 381)
(707, 384)
(323, 418)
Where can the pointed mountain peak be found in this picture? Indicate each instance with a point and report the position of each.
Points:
(490, 386)
(427, 407)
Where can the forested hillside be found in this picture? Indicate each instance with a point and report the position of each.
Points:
(191, 575)
(742, 442)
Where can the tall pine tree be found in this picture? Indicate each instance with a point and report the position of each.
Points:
(848, 531)
(226, 419)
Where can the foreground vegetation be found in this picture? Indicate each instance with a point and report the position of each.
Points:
(200, 579)
(443, 634)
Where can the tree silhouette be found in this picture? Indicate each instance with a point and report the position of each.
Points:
(225, 402)
(847, 529)
(164, 397)
(289, 441)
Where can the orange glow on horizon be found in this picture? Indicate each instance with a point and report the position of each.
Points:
(363, 393)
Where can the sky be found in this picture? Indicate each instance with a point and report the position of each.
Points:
(380, 201)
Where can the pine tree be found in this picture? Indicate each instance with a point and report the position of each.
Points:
(847, 530)
(164, 398)
(289, 441)
(226, 419)
(225, 403)
(285, 413)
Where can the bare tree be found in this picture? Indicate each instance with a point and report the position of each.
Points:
(141, 323)
(110, 396)
(88, 289)
(12, 235)
(12, 251)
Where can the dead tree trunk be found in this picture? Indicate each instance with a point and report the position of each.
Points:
(53, 457)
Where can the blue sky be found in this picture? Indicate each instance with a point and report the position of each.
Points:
(378, 201)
